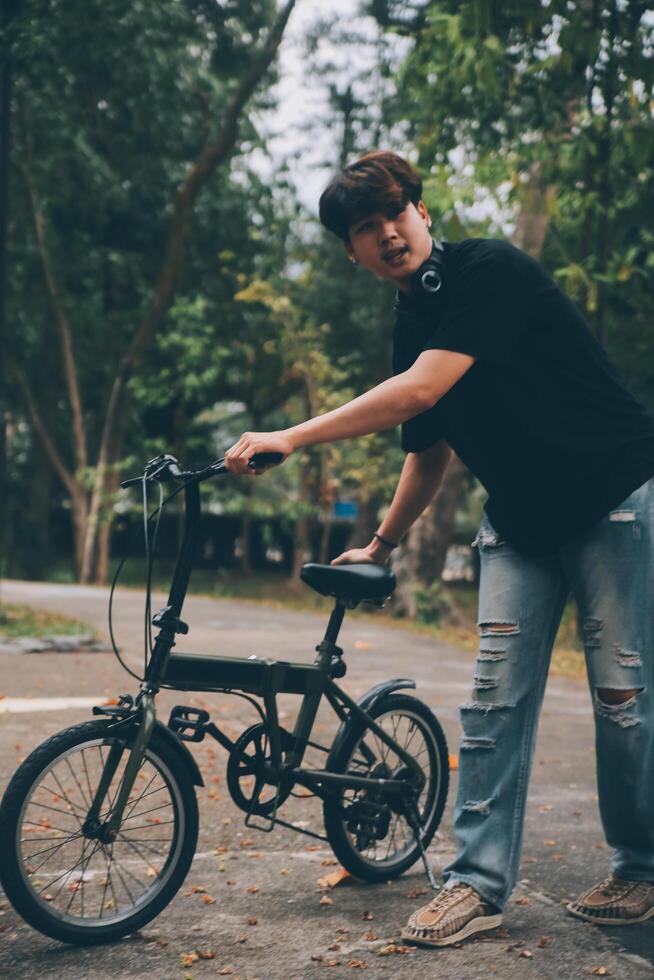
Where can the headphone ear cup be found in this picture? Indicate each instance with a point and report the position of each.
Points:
(431, 278)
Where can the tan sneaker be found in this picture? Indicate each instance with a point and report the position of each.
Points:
(452, 915)
(615, 902)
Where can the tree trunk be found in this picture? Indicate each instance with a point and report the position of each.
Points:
(366, 522)
(420, 559)
(87, 513)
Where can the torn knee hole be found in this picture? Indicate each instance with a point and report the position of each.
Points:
(610, 696)
(499, 628)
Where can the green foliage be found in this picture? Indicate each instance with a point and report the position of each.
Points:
(562, 88)
(432, 604)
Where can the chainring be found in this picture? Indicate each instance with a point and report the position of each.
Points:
(246, 782)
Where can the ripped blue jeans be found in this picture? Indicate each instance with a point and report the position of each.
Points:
(609, 570)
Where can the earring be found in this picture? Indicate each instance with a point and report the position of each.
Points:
(429, 223)
(353, 259)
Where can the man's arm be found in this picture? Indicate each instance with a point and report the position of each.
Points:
(389, 403)
(420, 478)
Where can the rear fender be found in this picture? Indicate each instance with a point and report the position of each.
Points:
(366, 701)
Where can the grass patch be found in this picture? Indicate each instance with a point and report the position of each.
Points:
(16, 621)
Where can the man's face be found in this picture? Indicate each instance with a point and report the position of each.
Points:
(392, 245)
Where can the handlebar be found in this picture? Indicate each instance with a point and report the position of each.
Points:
(166, 467)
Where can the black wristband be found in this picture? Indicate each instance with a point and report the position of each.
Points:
(389, 544)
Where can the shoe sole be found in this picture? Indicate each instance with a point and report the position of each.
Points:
(475, 925)
(601, 921)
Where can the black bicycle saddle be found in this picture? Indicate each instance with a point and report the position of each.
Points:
(357, 580)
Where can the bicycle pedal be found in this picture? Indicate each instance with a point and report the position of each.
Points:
(188, 723)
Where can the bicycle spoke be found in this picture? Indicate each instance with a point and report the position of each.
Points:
(46, 806)
(87, 803)
(136, 801)
(164, 806)
(70, 802)
(125, 885)
(151, 826)
(55, 847)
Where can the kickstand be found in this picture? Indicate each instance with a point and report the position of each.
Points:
(414, 823)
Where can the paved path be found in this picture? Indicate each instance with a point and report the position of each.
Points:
(295, 936)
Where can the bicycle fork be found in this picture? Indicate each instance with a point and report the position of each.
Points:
(108, 832)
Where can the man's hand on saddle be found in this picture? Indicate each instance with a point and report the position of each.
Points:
(371, 553)
(250, 443)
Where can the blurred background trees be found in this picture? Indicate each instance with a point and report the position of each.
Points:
(169, 285)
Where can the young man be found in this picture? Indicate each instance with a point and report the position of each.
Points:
(493, 361)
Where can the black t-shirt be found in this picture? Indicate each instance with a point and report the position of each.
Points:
(541, 418)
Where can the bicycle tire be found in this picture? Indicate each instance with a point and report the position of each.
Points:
(340, 760)
(17, 879)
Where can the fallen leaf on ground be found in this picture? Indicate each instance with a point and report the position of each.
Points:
(395, 948)
(362, 645)
(334, 879)
(357, 964)
(522, 901)
(312, 847)
(526, 954)
(208, 900)
(549, 843)
(544, 941)
(252, 889)
(206, 954)
(226, 971)
(600, 971)
(367, 916)
(188, 959)
(371, 936)
(252, 921)
(326, 900)
(332, 962)
(417, 892)
(546, 807)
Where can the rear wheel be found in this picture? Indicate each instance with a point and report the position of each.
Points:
(58, 873)
(370, 833)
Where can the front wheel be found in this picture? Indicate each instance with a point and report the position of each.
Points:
(369, 832)
(58, 873)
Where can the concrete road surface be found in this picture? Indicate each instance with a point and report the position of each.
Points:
(266, 919)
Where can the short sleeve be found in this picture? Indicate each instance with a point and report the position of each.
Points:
(422, 431)
(493, 295)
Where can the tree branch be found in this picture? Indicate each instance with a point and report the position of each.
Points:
(65, 335)
(66, 476)
(210, 159)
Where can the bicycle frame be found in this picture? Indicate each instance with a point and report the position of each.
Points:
(262, 677)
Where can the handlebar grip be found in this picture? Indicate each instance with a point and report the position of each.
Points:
(265, 459)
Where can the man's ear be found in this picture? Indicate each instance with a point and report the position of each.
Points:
(424, 213)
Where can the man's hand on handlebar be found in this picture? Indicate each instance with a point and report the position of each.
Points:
(237, 457)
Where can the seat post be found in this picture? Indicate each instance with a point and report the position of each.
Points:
(334, 624)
